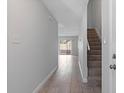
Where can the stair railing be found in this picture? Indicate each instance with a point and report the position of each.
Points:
(88, 45)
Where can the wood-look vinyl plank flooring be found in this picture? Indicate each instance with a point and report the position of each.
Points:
(67, 78)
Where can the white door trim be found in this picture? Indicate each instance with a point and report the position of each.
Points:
(107, 22)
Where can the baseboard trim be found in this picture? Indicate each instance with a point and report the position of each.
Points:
(41, 85)
(84, 80)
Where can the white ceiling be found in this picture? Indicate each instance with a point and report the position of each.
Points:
(68, 13)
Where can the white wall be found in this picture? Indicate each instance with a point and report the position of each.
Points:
(74, 43)
(68, 31)
(94, 15)
(32, 45)
(75, 46)
(83, 46)
(90, 15)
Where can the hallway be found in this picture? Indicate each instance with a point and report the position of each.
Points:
(67, 78)
(38, 63)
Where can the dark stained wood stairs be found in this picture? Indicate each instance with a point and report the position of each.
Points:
(94, 58)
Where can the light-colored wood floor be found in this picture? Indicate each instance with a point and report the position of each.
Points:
(67, 78)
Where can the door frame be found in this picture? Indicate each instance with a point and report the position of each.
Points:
(107, 52)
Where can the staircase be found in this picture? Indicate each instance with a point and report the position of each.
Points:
(94, 58)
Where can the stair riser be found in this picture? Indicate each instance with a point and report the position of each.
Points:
(95, 47)
(95, 40)
(92, 65)
(92, 37)
(94, 52)
(94, 44)
(94, 62)
(98, 42)
(94, 58)
(92, 34)
(95, 72)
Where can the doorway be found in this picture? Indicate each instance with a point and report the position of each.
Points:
(65, 47)
(101, 20)
(94, 51)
